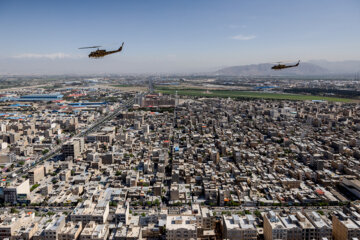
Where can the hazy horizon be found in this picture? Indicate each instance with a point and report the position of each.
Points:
(66, 67)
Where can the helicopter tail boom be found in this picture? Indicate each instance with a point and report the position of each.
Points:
(120, 48)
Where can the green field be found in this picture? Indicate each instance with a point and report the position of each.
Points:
(122, 85)
(249, 94)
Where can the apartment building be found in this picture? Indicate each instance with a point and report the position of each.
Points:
(239, 227)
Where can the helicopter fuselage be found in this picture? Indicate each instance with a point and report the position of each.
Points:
(282, 66)
(99, 53)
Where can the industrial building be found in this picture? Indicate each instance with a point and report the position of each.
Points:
(40, 97)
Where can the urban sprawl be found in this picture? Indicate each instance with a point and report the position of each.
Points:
(91, 160)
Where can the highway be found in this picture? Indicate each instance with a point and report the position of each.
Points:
(93, 127)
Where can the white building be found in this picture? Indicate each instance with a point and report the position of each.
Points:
(238, 227)
(181, 227)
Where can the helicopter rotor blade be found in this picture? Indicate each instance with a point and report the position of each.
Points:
(287, 62)
(90, 47)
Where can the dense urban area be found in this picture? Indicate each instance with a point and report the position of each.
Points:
(179, 157)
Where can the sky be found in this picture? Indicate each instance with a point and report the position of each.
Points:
(169, 36)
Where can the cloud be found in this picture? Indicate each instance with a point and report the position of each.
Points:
(46, 55)
(243, 37)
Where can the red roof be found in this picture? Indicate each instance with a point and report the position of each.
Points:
(76, 95)
(319, 191)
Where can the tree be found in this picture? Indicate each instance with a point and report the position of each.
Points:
(34, 187)
(13, 210)
(257, 213)
(321, 212)
(50, 214)
(45, 151)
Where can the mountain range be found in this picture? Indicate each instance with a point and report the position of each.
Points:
(310, 68)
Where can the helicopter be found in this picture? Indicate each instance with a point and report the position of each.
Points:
(282, 66)
(99, 53)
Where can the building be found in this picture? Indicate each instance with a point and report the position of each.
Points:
(322, 228)
(174, 192)
(273, 227)
(36, 174)
(181, 227)
(353, 186)
(11, 225)
(70, 231)
(156, 100)
(39, 97)
(237, 227)
(293, 228)
(207, 219)
(95, 231)
(308, 230)
(65, 175)
(122, 213)
(157, 188)
(54, 228)
(87, 104)
(71, 149)
(100, 137)
(7, 158)
(81, 141)
(344, 227)
(88, 211)
(17, 192)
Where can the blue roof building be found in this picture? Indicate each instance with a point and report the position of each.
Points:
(87, 104)
(41, 97)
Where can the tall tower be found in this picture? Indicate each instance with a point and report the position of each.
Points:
(151, 88)
(176, 99)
